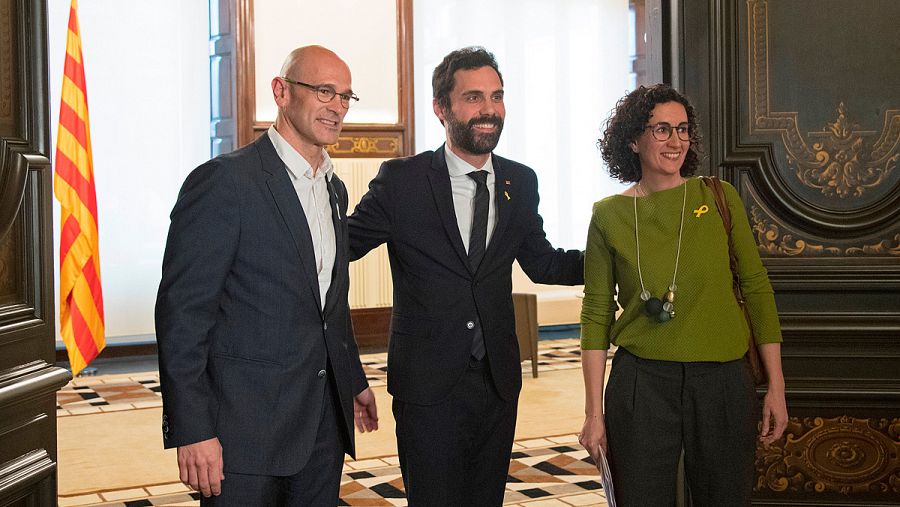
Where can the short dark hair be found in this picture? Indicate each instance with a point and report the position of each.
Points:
(626, 124)
(472, 57)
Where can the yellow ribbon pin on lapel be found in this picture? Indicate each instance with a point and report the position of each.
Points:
(507, 195)
(701, 210)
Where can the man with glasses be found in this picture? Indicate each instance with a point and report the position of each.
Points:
(454, 221)
(260, 374)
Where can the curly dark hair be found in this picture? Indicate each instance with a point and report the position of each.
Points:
(627, 122)
(468, 58)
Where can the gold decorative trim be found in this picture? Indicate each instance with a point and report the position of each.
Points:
(843, 161)
(845, 455)
(845, 164)
(366, 146)
(773, 242)
(358, 141)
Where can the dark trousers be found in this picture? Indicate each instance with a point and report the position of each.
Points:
(456, 453)
(654, 409)
(317, 484)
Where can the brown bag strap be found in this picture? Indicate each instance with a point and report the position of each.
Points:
(756, 366)
(715, 185)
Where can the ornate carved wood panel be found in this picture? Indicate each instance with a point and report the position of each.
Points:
(799, 106)
(28, 379)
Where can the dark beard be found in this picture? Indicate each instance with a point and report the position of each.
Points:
(463, 135)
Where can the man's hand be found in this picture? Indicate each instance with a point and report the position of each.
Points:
(200, 466)
(365, 413)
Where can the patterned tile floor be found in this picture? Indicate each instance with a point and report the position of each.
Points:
(545, 472)
(110, 393)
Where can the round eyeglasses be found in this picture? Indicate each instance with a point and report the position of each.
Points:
(663, 131)
(326, 94)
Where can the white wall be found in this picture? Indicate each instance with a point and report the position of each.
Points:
(362, 32)
(147, 72)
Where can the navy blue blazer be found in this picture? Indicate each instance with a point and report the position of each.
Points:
(244, 346)
(439, 302)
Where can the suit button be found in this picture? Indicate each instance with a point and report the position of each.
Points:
(470, 325)
(321, 373)
(325, 326)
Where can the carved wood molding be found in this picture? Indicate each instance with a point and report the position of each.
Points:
(7, 31)
(361, 141)
(843, 455)
(741, 89)
(385, 146)
(13, 173)
(776, 240)
(840, 160)
(23, 174)
(9, 246)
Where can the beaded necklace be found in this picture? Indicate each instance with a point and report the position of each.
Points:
(662, 309)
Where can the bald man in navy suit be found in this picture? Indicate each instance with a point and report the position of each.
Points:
(261, 378)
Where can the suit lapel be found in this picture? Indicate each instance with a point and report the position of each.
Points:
(288, 204)
(439, 177)
(340, 248)
(503, 195)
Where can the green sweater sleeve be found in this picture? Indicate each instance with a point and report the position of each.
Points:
(755, 285)
(599, 307)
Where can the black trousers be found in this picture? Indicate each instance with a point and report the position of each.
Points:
(456, 453)
(654, 409)
(316, 485)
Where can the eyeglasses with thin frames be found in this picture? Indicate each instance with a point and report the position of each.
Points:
(663, 131)
(326, 94)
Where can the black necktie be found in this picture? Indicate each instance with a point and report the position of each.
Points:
(478, 234)
(477, 242)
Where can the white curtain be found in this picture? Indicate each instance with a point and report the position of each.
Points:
(564, 65)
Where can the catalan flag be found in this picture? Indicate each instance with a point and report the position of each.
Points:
(80, 295)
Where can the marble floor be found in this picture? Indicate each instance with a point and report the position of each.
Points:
(110, 447)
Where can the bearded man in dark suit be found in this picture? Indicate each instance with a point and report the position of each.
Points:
(454, 220)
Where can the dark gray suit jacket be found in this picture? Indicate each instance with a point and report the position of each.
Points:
(243, 343)
(439, 301)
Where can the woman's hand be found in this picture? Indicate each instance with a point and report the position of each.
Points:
(774, 418)
(593, 436)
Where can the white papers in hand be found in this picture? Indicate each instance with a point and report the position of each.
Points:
(606, 479)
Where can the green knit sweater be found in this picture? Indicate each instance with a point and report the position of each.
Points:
(709, 324)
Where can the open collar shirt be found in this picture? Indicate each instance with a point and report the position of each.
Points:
(312, 191)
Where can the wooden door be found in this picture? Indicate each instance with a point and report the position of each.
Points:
(800, 111)
(28, 378)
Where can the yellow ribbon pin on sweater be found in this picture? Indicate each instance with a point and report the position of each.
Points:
(701, 210)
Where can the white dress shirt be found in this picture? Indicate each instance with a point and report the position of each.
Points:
(313, 194)
(463, 188)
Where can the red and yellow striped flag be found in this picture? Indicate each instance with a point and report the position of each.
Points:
(80, 295)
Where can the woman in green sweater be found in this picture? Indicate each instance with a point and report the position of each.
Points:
(678, 381)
